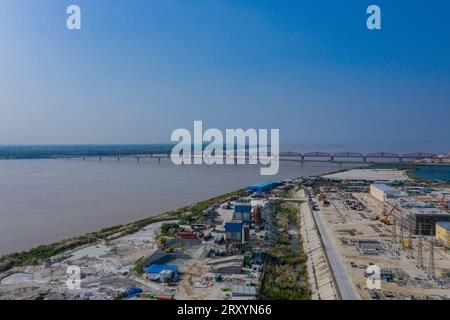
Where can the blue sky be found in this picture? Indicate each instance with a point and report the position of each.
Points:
(139, 69)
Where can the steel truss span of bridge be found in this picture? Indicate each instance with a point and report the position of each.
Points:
(363, 157)
(339, 157)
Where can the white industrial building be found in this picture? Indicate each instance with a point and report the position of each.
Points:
(382, 192)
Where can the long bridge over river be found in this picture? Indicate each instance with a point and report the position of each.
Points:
(318, 156)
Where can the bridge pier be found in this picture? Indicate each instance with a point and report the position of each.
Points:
(137, 159)
(364, 159)
(400, 159)
(100, 158)
(84, 158)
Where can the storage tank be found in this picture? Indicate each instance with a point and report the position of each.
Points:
(245, 234)
(257, 216)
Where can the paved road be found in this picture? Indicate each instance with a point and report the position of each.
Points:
(345, 285)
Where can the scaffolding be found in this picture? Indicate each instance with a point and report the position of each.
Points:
(431, 267)
(420, 249)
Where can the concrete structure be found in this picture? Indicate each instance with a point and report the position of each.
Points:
(443, 233)
(244, 292)
(382, 192)
(228, 268)
(262, 187)
(426, 219)
(235, 258)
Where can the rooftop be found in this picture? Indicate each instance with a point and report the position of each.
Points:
(233, 226)
(384, 187)
(240, 290)
(157, 268)
(428, 211)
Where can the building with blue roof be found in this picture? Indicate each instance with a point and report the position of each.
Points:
(162, 272)
(243, 211)
(157, 268)
(242, 207)
(233, 230)
(262, 187)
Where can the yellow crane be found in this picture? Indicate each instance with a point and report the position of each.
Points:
(384, 217)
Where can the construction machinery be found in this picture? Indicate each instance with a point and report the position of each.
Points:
(169, 250)
(384, 217)
(321, 196)
(406, 244)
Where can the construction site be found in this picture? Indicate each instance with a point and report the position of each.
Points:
(392, 225)
(307, 238)
(222, 253)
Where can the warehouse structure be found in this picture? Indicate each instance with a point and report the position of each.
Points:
(262, 187)
(425, 219)
(243, 211)
(162, 272)
(233, 230)
(382, 192)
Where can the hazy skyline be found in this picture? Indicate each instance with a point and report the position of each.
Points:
(139, 69)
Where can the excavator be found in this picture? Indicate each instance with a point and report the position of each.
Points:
(384, 217)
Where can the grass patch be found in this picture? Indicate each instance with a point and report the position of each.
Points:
(285, 274)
